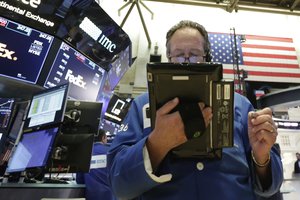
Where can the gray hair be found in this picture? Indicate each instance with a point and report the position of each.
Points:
(189, 24)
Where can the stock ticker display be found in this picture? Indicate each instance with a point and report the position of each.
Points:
(63, 41)
(85, 77)
(23, 51)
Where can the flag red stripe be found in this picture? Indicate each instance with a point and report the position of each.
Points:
(255, 46)
(262, 64)
(256, 37)
(264, 55)
(271, 74)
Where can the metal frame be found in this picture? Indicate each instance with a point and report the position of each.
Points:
(137, 4)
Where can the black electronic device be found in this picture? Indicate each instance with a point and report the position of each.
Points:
(33, 150)
(19, 113)
(6, 110)
(119, 67)
(72, 153)
(82, 117)
(47, 108)
(117, 109)
(192, 83)
(83, 24)
(85, 77)
(23, 51)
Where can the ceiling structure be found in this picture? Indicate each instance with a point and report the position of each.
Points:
(290, 7)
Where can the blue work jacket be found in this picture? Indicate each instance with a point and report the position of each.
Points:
(230, 178)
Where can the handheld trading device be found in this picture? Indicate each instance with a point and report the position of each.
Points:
(193, 83)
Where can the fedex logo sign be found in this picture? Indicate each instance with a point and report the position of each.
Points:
(32, 3)
(76, 80)
(5, 53)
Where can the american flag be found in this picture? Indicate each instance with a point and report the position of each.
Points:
(265, 58)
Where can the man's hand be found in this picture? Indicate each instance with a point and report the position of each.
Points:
(262, 133)
(169, 130)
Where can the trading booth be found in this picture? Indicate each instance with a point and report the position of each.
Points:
(60, 61)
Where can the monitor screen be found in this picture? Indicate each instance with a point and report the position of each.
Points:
(20, 110)
(45, 15)
(82, 117)
(33, 150)
(72, 153)
(47, 107)
(119, 68)
(117, 109)
(82, 23)
(85, 77)
(92, 31)
(23, 51)
(6, 108)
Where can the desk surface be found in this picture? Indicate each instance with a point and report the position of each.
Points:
(41, 185)
(35, 191)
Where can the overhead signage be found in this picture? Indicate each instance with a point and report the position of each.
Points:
(40, 14)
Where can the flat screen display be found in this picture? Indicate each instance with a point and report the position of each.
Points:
(33, 150)
(20, 110)
(82, 117)
(119, 68)
(85, 77)
(77, 154)
(6, 108)
(23, 51)
(47, 107)
(45, 15)
(92, 31)
(117, 109)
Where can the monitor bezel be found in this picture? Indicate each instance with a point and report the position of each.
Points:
(92, 110)
(73, 162)
(58, 117)
(48, 151)
(155, 71)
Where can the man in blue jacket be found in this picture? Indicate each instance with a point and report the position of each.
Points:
(140, 159)
(96, 181)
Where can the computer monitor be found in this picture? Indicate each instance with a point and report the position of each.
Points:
(23, 51)
(47, 108)
(33, 150)
(119, 67)
(117, 109)
(72, 153)
(86, 78)
(19, 114)
(82, 117)
(6, 109)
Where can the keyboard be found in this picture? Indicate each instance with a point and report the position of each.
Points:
(55, 181)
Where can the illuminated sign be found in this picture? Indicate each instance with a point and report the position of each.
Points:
(32, 3)
(33, 13)
(96, 33)
(5, 53)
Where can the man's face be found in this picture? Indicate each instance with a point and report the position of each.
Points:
(186, 43)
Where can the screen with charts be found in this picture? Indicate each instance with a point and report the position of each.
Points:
(85, 77)
(33, 150)
(47, 108)
(23, 51)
